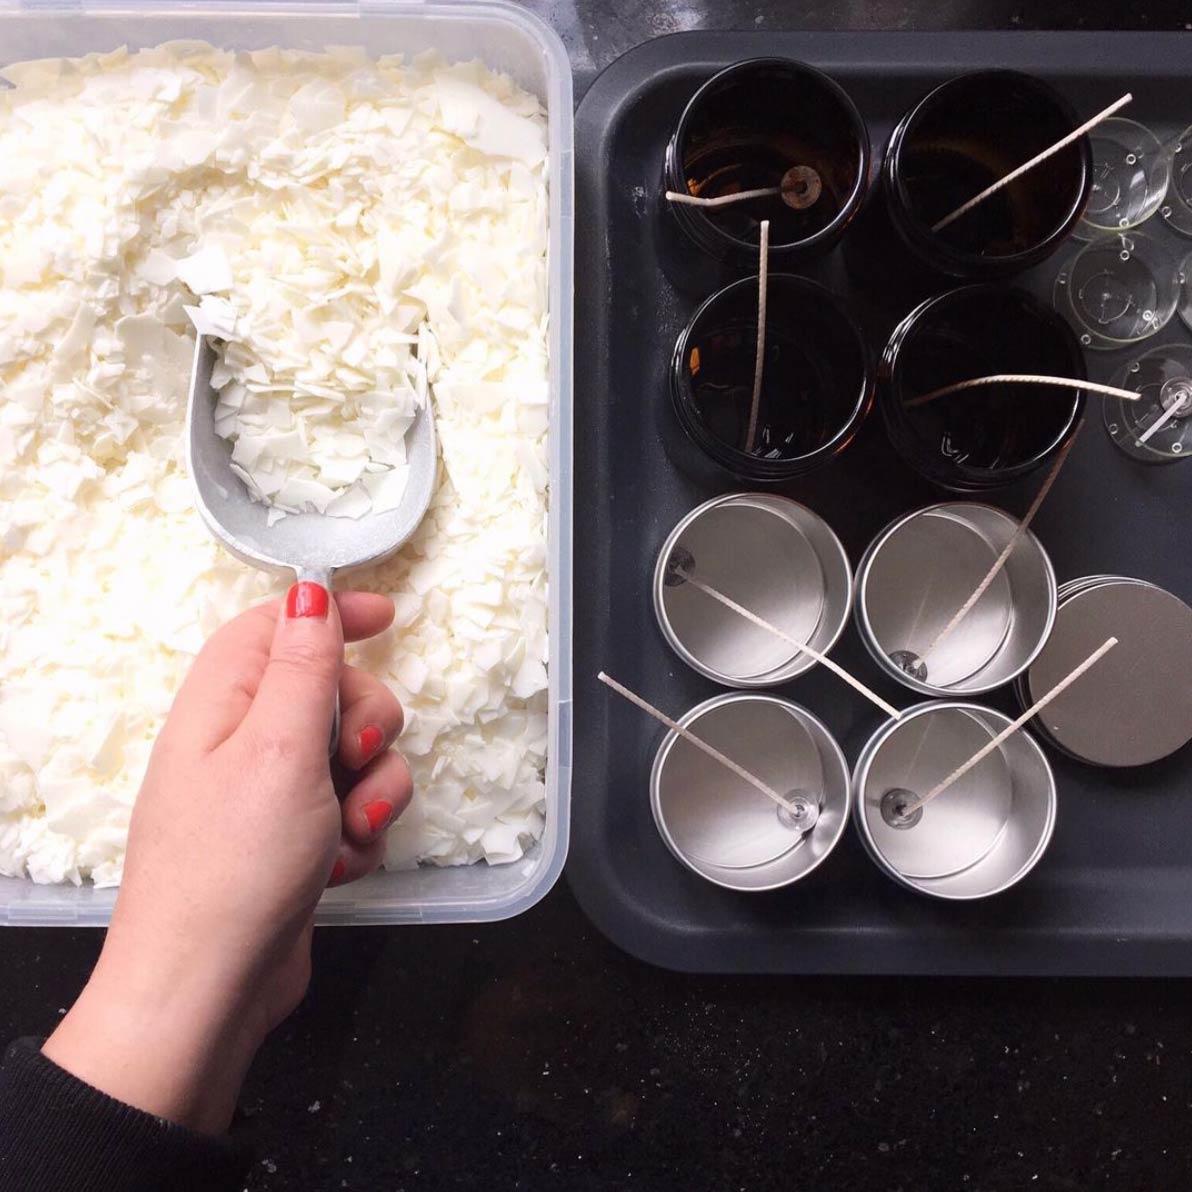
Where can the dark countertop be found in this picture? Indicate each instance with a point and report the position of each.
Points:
(534, 1055)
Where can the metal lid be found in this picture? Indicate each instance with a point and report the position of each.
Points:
(1071, 586)
(720, 826)
(1135, 706)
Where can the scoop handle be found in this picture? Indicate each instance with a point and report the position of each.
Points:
(322, 577)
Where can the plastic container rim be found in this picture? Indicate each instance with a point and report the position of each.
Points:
(361, 905)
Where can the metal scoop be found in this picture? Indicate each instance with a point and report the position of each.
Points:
(312, 545)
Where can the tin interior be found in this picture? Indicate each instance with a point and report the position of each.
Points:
(920, 573)
(837, 581)
(980, 836)
(722, 827)
(775, 558)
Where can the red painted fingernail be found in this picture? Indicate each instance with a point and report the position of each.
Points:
(337, 872)
(378, 815)
(307, 599)
(371, 739)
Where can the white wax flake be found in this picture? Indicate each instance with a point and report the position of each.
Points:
(361, 237)
(206, 272)
(213, 316)
(486, 124)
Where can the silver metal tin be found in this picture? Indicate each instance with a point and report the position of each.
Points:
(717, 824)
(771, 555)
(1135, 706)
(980, 837)
(917, 574)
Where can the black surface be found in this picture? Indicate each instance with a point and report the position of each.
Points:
(426, 1048)
(534, 1056)
(1111, 896)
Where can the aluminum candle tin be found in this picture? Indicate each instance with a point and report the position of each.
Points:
(774, 557)
(918, 573)
(1135, 705)
(982, 835)
(720, 826)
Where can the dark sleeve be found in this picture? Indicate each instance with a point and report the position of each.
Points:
(58, 1134)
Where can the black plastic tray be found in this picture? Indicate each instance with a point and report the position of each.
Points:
(1113, 895)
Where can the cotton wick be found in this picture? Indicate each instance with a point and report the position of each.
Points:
(801, 187)
(1009, 730)
(1075, 135)
(802, 647)
(1008, 550)
(1023, 379)
(759, 358)
(690, 200)
(712, 752)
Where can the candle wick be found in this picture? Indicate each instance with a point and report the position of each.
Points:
(759, 359)
(1075, 135)
(700, 744)
(1008, 550)
(1022, 379)
(1035, 708)
(690, 200)
(802, 647)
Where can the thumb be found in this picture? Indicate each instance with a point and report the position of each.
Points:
(295, 699)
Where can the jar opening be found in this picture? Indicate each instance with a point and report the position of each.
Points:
(748, 127)
(968, 134)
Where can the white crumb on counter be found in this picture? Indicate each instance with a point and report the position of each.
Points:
(362, 231)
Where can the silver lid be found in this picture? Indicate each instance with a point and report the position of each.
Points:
(977, 838)
(1135, 706)
(1071, 586)
(724, 829)
(771, 555)
(921, 570)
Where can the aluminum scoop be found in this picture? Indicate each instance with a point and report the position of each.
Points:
(312, 545)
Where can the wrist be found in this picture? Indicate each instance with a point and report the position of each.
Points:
(174, 1045)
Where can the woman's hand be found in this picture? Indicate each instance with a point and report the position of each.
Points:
(235, 834)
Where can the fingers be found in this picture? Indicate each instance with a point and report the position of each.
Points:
(370, 717)
(363, 614)
(382, 792)
(295, 697)
(224, 678)
(354, 861)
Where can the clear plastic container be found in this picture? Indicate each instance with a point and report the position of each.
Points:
(508, 39)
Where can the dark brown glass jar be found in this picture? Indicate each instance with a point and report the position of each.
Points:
(744, 129)
(817, 383)
(982, 438)
(961, 138)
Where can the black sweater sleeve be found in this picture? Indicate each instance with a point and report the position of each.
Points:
(58, 1134)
